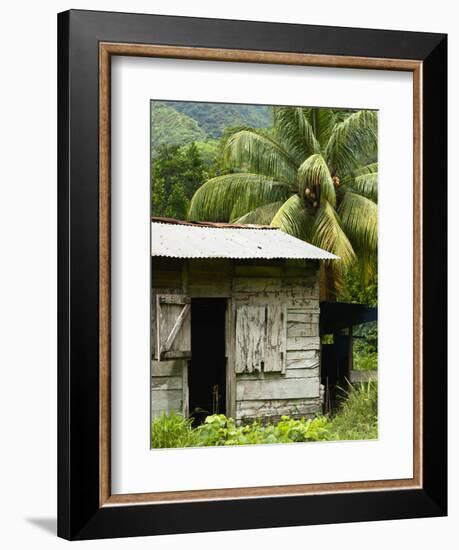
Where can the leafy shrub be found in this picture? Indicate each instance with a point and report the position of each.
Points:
(220, 430)
(356, 419)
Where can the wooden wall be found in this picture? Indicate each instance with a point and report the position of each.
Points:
(295, 389)
(168, 378)
(168, 386)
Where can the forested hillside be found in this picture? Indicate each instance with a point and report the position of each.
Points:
(213, 118)
(170, 127)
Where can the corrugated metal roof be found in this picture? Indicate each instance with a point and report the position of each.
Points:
(193, 240)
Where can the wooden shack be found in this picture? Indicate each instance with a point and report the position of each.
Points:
(235, 321)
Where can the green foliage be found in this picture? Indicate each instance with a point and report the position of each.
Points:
(220, 430)
(326, 161)
(172, 430)
(177, 172)
(230, 196)
(365, 360)
(355, 291)
(356, 419)
(209, 151)
(213, 118)
(169, 127)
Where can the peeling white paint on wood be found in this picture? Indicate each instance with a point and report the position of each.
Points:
(275, 352)
(250, 338)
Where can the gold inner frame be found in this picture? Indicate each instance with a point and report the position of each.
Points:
(106, 51)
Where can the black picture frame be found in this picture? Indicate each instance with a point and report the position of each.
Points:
(80, 515)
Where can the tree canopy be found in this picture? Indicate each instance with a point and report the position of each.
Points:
(314, 176)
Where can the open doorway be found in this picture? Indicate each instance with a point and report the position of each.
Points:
(207, 367)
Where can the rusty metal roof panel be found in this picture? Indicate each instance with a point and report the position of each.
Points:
(185, 240)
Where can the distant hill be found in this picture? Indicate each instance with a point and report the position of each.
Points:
(171, 127)
(213, 118)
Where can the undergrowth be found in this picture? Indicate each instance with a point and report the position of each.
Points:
(355, 419)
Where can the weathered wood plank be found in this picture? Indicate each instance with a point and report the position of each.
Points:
(166, 279)
(288, 298)
(306, 283)
(209, 278)
(276, 408)
(257, 271)
(302, 315)
(258, 284)
(296, 361)
(307, 272)
(250, 338)
(302, 329)
(166, 273)
(185, 390)
(299, 372)
(166, 400)
(303, 343)
(277, 389)
(220, 289)
(166, 368)
(177, 326)
(173, 326)
(173, 299)
(275, 350)
(293, 356)
(166, 382)
(312, 372)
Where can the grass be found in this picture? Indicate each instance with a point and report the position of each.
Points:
(365, 361)
(355, 419)
(172, 430)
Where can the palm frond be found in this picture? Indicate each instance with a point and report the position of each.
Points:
(252, 152)
(229, 197)
(354, 138)
(295, 132)
(323, 121)
(329, 235)
(359, 218)
(294, 218)
(262, 215)
(365, 181)
(315, 175)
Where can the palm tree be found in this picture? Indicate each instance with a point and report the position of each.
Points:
(314, 176)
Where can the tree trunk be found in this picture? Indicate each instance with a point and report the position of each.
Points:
(327, 283)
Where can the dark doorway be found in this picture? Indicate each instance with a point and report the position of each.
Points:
(207, 367)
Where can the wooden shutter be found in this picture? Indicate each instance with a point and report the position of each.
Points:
(276, 334)
(250, 338)
(172, 327)
(260, 338)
